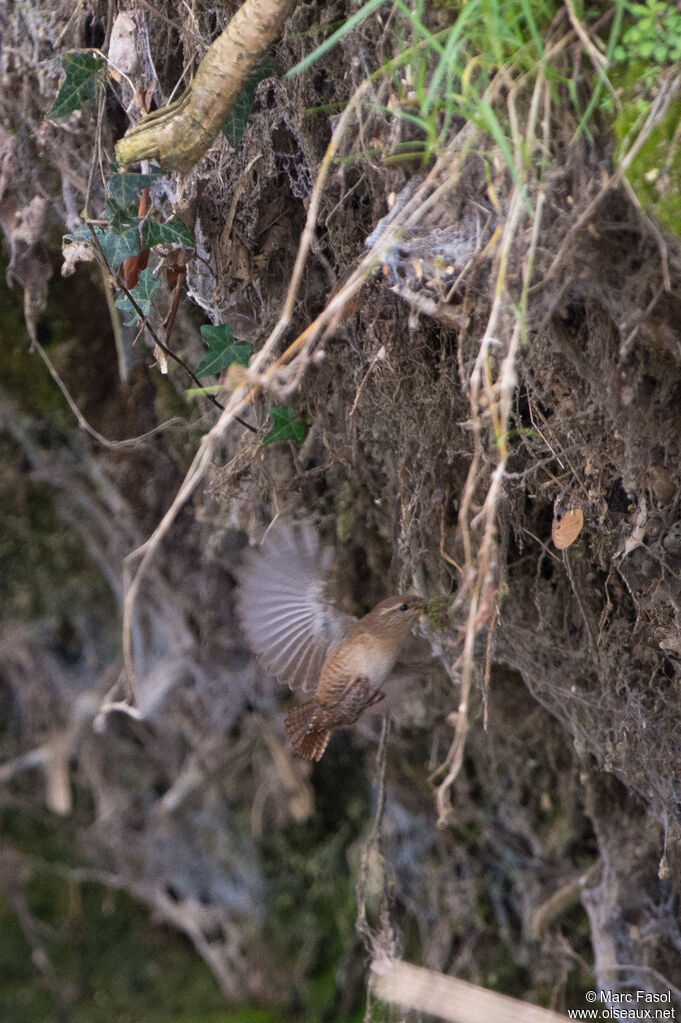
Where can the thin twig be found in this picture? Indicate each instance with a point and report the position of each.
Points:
(597, 59)
(111, 445)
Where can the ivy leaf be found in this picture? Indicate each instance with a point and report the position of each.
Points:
(142, 293)
(287, 426)
(125, 188)
(82, 73)
(120, 218)
(116, 247)
(173, 232)
(234, 124)
(222, 351)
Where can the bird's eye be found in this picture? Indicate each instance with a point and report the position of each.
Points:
(402, 607)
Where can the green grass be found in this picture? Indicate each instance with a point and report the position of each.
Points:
(465, 64)
(441, 73)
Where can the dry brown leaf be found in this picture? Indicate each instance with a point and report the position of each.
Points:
(133, 265)
(567, 527)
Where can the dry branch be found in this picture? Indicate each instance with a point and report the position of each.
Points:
(179, 134)
(449, 998)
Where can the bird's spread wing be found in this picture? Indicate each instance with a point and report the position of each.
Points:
(284, 612)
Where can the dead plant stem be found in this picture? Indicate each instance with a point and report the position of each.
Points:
(111, 445)
(479, 576)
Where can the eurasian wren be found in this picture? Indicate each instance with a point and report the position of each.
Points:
(305, 641)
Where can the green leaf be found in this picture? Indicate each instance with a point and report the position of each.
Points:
(234, 124)
(287, 426)
(222, 351)
(125, 188)
(173, 232)
(121, 219)
(142, 293)
(82, 72)
(116, 247)
(220, 334)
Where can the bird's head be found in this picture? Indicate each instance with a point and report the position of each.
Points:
(396, 615)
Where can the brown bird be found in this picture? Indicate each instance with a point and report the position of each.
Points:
(305, 641)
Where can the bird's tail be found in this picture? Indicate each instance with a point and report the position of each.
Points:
(307, 730)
